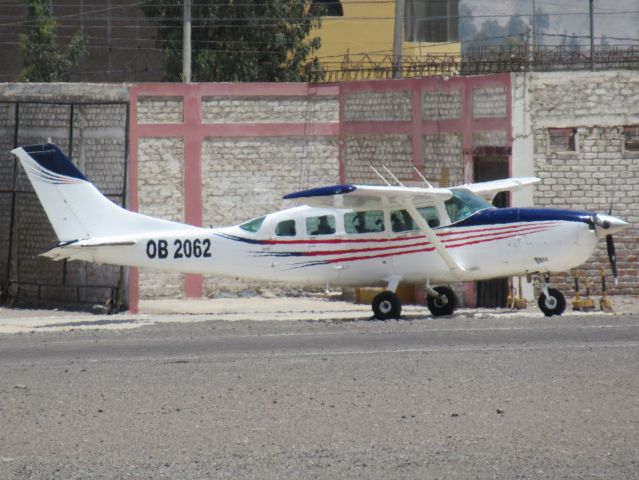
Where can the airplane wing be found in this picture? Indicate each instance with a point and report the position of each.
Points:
(368, 196)
(488, 190)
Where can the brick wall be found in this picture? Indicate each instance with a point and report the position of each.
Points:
(241, 147)
(269, 109)
(598, 106)
(395, 152)
(378, 106)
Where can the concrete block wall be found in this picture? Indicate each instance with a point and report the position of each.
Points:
(600, 170)
(242, 148)
(158, 110)
(441, 104)
(491, 102)
(444, 159)
(392, 105)
(243, 178)
(265, 109)
(161, 194)
(395, 152)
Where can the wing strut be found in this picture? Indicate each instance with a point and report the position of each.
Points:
(432, 238)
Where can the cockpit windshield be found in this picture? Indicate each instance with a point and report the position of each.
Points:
(463, 204)
(253, 225)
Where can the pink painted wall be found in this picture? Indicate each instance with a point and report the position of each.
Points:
(193, 131)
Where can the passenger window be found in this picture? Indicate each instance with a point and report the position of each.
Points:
(364, 222)
(285, 229)
(322, 225)
(401, 221)
(430, 215)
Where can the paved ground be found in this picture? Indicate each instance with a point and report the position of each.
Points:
(478, 395)
(254, 309)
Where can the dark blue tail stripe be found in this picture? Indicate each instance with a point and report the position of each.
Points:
(51, 158)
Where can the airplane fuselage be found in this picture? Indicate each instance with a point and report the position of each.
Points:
(345, 235)
(491, 243)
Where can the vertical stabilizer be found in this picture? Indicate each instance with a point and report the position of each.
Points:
(75, 208)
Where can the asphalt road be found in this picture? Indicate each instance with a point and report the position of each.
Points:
(512, 397)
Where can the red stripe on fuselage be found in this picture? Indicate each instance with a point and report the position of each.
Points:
(486, 237)
(540, 228)
(459, 231)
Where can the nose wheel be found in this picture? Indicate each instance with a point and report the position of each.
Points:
(551, 302)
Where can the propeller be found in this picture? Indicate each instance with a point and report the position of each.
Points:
(613, 224)
(610, 247)
(612, 256)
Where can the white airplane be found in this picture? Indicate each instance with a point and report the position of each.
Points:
(345, 235)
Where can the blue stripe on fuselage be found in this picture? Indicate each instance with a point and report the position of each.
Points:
(499, 216)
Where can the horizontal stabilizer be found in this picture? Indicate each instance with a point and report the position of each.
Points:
(81, 251)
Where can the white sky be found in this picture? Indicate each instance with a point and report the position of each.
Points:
(613, 18)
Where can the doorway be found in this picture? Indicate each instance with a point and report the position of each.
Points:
(492, 164)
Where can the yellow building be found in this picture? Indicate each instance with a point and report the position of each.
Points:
(360, 32)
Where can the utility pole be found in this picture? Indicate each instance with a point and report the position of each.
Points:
(532, 30)
(186, 43)
(398, 38)
(534, 24)
(592, 39)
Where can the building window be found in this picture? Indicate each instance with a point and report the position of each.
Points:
(562, 139)
(431, 21)
(329, 8)
(631, 138)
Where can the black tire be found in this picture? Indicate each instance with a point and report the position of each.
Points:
(555, 304)
(386, 305)
(444, 304)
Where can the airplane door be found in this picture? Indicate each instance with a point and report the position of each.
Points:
(323, 236)
(492, 164)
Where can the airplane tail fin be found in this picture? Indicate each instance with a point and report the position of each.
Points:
(74, 206)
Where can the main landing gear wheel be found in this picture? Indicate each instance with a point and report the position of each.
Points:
(553, 304)
(386, 305)
(444, 303)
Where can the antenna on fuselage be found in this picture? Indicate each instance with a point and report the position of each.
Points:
(379, 174)
(428, 184)
(392, 176)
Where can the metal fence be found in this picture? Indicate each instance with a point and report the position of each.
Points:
(26, 279)
(483, 60)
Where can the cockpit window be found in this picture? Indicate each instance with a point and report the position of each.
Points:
(253, 225)
(463, 204)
